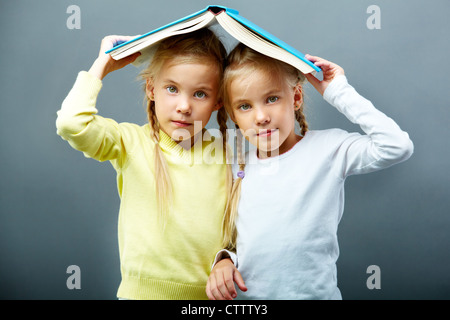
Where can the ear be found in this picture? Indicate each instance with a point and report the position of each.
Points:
(298, 97)
(150, 89)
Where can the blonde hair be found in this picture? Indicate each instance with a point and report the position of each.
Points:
(243, 61)
(201, 46)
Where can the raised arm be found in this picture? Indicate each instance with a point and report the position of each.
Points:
(77, 120)
(384, 144)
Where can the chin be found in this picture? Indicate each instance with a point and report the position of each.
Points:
(268, 148)
(181, 135)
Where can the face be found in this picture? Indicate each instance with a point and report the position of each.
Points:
(264, 110)
(185, 95)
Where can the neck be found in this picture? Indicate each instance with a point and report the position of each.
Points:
(283, 148)
(188, 143)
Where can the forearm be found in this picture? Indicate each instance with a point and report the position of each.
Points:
(99, 68)
(79, 107)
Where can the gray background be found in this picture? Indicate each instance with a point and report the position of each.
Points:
(58, 208)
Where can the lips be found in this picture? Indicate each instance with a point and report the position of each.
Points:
(180, 123)
(266, 133)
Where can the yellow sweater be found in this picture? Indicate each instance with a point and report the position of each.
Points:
(173, 264)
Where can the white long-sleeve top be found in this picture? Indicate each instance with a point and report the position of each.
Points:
(291, 205)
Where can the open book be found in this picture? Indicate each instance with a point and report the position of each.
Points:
(237, 26)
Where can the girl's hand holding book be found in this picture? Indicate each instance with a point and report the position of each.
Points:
(330, 71)
(104, 63)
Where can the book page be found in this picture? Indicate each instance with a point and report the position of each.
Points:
(260, 44)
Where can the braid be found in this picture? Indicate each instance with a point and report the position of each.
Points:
(152, 120)
(301, 119)
(163, 185)
(240, 152)
(222, 118)
(231, 212)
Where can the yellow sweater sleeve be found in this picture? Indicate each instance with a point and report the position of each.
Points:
(79, 124)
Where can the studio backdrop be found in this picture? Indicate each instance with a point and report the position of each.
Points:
(59, 210)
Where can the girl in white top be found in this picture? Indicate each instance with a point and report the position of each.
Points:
(280, 228)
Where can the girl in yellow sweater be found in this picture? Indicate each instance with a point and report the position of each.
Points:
(173, 193)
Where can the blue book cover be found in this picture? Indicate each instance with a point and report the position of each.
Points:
(159, 29)
(236, 16)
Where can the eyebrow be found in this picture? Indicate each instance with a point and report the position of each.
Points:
(273, 92)
(265, 94)
(201, 87)
(236, 103)
(165, 81)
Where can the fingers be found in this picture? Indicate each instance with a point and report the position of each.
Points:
(316, 83)
(118, 40)
(330, 71)
(220, 285)
(127, 60)
(211, 289)
(112, 41)
(311, 58)
(318, 61)
(239, 281)
(323, 64)
(312, 79)
(227, 287)
(219, 288)
(208, 290)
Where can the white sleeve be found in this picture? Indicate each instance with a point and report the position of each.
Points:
(223, 254)
(384, 144)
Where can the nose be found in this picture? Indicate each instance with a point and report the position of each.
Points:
(184, 106)
(262, 116)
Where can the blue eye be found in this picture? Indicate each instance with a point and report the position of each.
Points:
(200, 95)
(272, 99)
(244, 107)
(171, 89)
